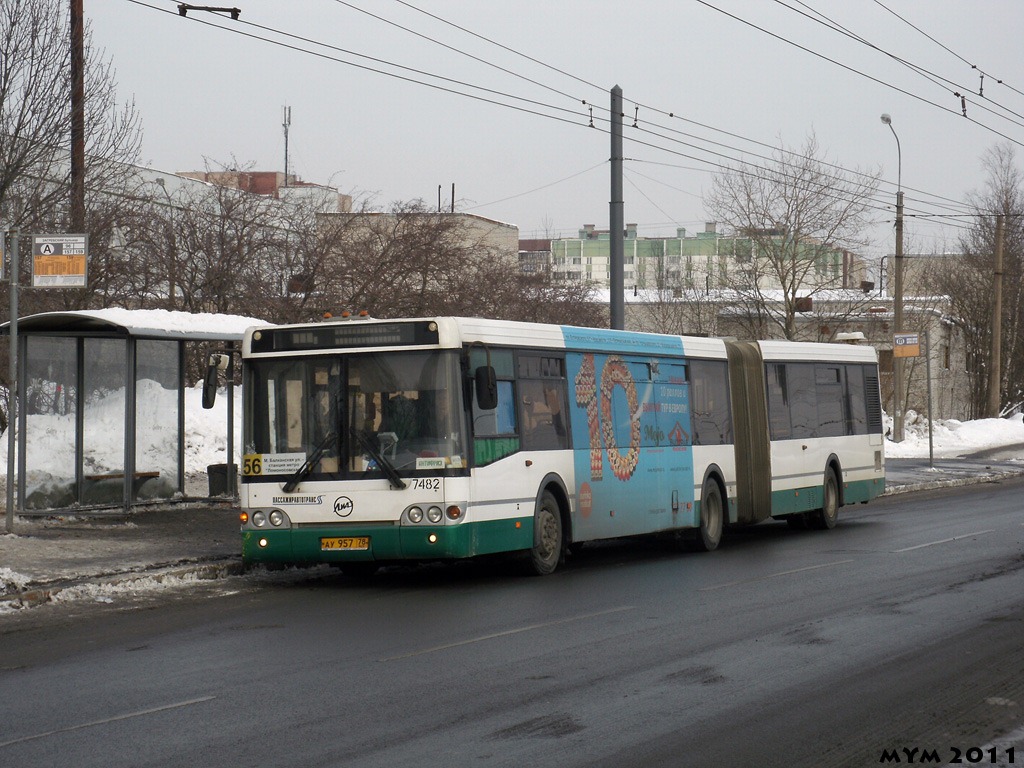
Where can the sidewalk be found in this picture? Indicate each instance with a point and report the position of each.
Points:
(183, 541)
(45, 556)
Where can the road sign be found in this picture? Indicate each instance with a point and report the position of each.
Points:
(59, 261)
(906, 345)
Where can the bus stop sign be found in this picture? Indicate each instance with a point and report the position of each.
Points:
(59, 261)
(906, 345)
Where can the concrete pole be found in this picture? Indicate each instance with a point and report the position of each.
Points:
(12, 386)
(897, 362)
(995, 365)
(616, 216)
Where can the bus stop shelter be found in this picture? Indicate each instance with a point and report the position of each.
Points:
(102, 406)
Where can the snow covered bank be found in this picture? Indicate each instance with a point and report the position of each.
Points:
(952, 438)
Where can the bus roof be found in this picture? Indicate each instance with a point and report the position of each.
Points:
(454, 332)
(817, 351)
(523, 334)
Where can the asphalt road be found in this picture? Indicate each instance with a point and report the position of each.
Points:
(899, 630)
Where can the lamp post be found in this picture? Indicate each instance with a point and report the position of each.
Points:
(897, 362)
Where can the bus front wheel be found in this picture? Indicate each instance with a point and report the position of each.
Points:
(548, 537)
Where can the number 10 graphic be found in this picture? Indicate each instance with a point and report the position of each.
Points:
(600, 424)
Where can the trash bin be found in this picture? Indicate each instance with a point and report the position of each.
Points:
(218, 477)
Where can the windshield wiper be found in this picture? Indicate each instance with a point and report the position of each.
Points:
(386, 466)
(307, 466)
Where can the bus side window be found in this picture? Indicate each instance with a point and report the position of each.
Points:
(494, 430)
(857, 411)
(803, 399)
(543, 411)
(778, 402)
(709, 402)
(828, 382)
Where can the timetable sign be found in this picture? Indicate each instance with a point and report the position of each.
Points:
(59, 261)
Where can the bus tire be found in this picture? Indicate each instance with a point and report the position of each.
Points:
(548, 537)
(827, 517)
(712, 518)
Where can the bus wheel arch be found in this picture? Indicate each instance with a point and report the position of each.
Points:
(551, 528)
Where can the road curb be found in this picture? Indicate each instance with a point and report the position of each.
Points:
(40, 593)
(952, 483)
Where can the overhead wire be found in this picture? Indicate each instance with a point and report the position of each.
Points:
(857, 71)
(960, 89)
(497, 94)
(538, 189)
(945, 48)
(414, 70)
(452, 48)
(233, 30)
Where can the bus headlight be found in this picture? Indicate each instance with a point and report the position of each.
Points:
(259, 519)
(415, 515)
(434, 514)
(276, 518)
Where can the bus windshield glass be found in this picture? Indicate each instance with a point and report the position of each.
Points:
(355, 416)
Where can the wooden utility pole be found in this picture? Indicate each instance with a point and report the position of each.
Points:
(995, 363)
(77, 117)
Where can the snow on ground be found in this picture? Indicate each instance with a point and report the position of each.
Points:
(952, 438)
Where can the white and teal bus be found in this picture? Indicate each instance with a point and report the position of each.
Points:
(369, 442)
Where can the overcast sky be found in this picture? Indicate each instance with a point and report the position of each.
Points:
(506, 122)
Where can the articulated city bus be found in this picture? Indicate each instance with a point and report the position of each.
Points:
(369, 442)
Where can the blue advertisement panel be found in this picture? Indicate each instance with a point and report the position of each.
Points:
(631, 430)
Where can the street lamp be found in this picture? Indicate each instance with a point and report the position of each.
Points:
(897, 362)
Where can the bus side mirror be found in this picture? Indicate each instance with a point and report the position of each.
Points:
(215, 363)
(486, 388)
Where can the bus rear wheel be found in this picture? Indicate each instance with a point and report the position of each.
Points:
(827, 517)
(712, 518)
(548, 537)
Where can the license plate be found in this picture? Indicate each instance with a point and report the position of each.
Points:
(345, 542)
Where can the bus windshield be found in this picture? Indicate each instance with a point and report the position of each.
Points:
(355, 416)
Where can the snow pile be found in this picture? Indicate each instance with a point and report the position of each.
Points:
(12, 581)
(952, 438)
(129, 588)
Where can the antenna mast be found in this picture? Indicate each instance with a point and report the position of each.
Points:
(286, 121)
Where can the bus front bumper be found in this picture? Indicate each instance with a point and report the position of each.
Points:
(380, 542)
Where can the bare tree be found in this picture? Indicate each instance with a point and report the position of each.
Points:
(413, 261)
(799, 214)
(35, 121)
(227, 242)
(969, 280)
(35, 70)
